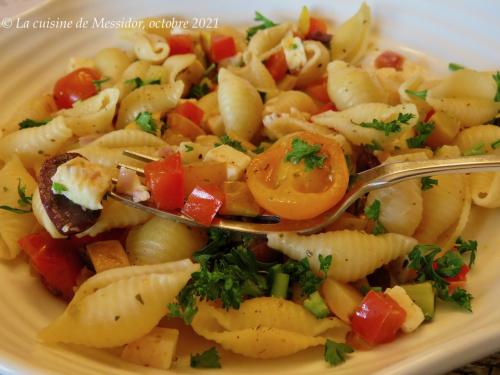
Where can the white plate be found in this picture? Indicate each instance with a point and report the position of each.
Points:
(465, 32)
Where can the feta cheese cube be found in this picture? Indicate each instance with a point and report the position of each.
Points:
(414, 314)
(295, 53)
(236, 161)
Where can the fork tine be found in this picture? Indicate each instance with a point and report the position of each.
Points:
(137, 170)
(141, 157)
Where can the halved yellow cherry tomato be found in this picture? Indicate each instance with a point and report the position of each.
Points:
(289, 190)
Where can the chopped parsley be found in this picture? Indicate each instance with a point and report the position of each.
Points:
(207, 359)
(476, 150)
(496, 77)
(188, 148)
(265, 23)
(199, 90)
(372, 212)
(374, 146)
(419, 94)
(335, 352)
(30, 123)
(146, 122)
(393, 126)
(427, 183)
(422, 259)
(259, 149)
(138, 82)
(58, 188)
(424, 130)
(464, 247)
(495, 144)
(98, 83)
(301, 272)
(301, 150)
(452, 67)
(23, 201)
(227, 140)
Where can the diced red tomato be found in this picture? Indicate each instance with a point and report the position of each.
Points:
(222, 47)
(55, 260)
(326, 107)
(277, 66)
(203, 203)
(389, 59)
(77, 85)
(318, 91)
(429, 115)
(165, 180)
(378, 318)
(180, 44)
(190, 111)
(316, 26)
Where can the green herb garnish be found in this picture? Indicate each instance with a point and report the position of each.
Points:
(98, 83)
(393, 126)
(265, 23)
(58, 188)
(301, 150)
(419, 94)
(227, 140)
(464, 247)
(476, 150)
(30, 123)
(146, 122)
(24, 200)
(452, 67)
(496, 77)
(427, 183)
(372, 212)
(207, 359)
(424, 130)
(199, 90)
(138, 82)
(335, 352)
(495, 144)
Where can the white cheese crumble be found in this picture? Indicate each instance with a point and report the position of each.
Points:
(295, 53)
(236, 161)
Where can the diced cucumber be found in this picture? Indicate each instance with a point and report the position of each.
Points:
(280, 285)
(423, 295)
(316, 305)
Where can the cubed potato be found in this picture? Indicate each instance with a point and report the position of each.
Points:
(342, 299)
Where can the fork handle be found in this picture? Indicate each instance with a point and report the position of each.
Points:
(397, 172)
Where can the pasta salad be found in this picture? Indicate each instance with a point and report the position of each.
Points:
(276, 119)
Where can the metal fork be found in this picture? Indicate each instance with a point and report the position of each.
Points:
(376, 178)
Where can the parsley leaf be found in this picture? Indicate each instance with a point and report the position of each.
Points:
(449, 264)
(199, 90)
(460, 296)
(495, 144)
(24, 200)
(419, 94)
(58, 188)
(424, 130)
(30, 123)
(467, 247)
(188, 148)
(496, 77)
(301, 150)
(146, 122)
(372, 212)
(301, 273)
(335, 352)
(138, 82)
(265, 23)
(393, 126)
(259, 149)
(374, 146)
(227, 140)
(427, 183)
(452, 67)
(98, 83)
(476, 150)
(207, 359)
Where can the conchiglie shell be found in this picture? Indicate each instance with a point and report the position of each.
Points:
(14, 226)
(185, 67)
(33, 145)
(477, 135)
(93, 115)
(277, 126)
(112, 62)
(318, 58)
(350, 40)
(469, 112)
(240, 105)
(286, 100)
(413, 83)
(160, 240)
(150, 98)
(257, 74)
(119, 312)
(390, 80)
(346, 122)
(348, 86)
(485, 189)
(139, 69)
(116, 215)
(42, 217)
(128, 138)
(355, 254)
(150, 47)
(209, 104)
(265, 40)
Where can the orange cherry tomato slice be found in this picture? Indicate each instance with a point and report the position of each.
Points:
(289, 190)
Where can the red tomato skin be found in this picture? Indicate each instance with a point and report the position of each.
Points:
(429, 114)
(222, 47)
(58, 264)
(191, 111)
(180, 44)
(318, 91)
(378, 318)
(326, 107)
(277, 66)
(165, 180)
(389, 59)
(316, 25)
(77, 85)
(203, 203)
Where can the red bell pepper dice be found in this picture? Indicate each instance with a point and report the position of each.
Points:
(203, 203)
(180, 44)
(389, 59)
(378, 318)
(191, 111)
(165, 179)
(316, 26)
(222, 47)
(277, 66)
(58, 264)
